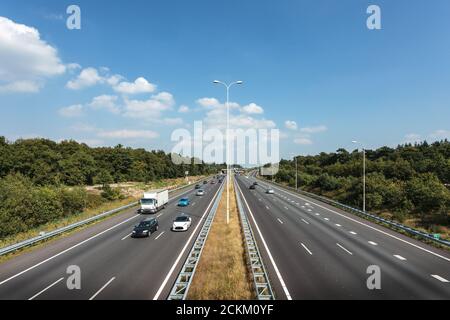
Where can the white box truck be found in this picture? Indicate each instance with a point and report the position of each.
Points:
(153, 201)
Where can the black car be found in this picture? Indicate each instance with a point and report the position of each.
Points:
(205, 182)
(252, 187)
(197, 186)
(255, 183)
(145, 228)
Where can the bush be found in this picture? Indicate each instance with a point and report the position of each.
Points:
(111, 193)
(73, 200)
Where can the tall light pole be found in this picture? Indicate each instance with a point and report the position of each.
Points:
(364, 172)
(228, 86)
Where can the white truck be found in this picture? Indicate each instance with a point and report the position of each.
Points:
(154, 201)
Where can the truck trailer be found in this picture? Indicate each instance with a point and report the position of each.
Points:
(153, 201)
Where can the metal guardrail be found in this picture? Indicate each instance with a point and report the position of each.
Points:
(181, 287)
(365, 214)
(260, 278)
(62, 230)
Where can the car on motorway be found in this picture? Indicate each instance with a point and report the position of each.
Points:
(270, 191)
(145, 228)
(205, 182)
(200, 192)
(182, 223)
(213, 181)
(197, 186)
(183, 202)
(252, 187)
(255, 183)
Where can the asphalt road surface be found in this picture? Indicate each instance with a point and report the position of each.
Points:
(113, 265)
(315, 251)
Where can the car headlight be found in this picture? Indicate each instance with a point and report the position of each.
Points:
(145, 231)
(134, 231)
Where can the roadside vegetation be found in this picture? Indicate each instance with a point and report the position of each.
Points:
(46, 184)
(223, 273)
(409, 184)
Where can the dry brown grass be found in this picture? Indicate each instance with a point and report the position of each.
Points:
(222, 273)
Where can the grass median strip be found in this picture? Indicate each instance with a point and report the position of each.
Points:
(222, 273)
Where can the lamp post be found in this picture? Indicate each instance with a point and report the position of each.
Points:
(364, 172)
(228, 86)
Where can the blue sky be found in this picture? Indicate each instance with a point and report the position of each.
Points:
(314, 63)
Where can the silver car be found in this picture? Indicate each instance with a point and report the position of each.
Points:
(200, 193)
(270, 191)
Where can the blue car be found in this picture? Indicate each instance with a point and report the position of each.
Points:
(184, 202)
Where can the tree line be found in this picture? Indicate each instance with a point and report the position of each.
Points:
(410, 181)
(42, 180)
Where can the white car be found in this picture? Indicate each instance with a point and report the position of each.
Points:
(200, 192)
(270, 191)
(182, 223)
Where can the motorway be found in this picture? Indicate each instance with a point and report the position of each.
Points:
(113, 265)
(315, 251)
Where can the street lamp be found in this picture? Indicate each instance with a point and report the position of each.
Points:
(364, 172)
(228, 86)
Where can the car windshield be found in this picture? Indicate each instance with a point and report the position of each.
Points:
(144, 224)
(182, 219)
(147, 201)
(184, 200)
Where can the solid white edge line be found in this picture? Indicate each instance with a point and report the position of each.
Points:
(277, 271)
(42, 291)
(440, 278)
(68, 249)
(309, 251)
(172, 269)
(340, 246)
(102, 288)
(373, 228)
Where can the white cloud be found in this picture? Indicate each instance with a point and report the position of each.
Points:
(304, 141)
(252, 108)
(87, 78)
(440, 135)
(172, 121)
(183, 109)
(71, 111)
(91, 142)
(140, 85)
(240, 117)
(73, 66)
(25, 59)
(291, 125)
(312, 130)
(149, 109)
(106, 102)
(90, 77)
(208, 102)
(128, 134)
(21, 87)
(413, 138)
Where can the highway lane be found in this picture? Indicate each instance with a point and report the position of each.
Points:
(113, 265)
(323, 253)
